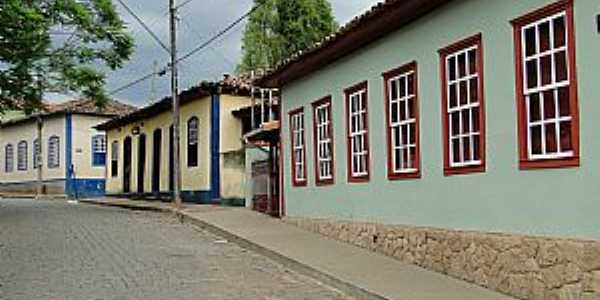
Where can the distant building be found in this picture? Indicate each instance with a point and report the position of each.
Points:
(140, 147)
(72, 154)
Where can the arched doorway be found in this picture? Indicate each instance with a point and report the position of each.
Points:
(141, 167)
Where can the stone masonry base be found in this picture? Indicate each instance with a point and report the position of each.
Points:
(524, 267)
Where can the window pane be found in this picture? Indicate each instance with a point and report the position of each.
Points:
(466, 148)
(546, 69)
(453, 95)
(551, 146)
(475, 119)
(455, 149)
(455, 123)
(402, 87)
(473, 90)
(559, 32)
(405, 134)
(532, 76)
(396, 135)
(413, 158)
(563, 102)
(534, 108)
(452, 68)
(411, 108)
(397, 159)
(544, 31)
(476, 147)
(462, 65)
(530, 37)
(394, 89)
(536, 140)
(466, 121)
(413, 134)
(411, 84)
(472, 61)
(463, 93)
(566, 143)
(560, 59)
(549, 105)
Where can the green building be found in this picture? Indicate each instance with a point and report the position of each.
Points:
(461, 136)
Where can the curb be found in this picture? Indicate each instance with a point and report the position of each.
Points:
(345, 287)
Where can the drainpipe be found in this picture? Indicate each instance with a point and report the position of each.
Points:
(39, 157)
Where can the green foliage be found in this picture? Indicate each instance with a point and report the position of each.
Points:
(279, 28)
(58, 46)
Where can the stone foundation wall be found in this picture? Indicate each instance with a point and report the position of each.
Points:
(524, 267)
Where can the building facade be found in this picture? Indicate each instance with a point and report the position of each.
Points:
(457, 135)
(212, 154)
(72, 153)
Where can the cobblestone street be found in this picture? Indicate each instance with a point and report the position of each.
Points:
(56, 250)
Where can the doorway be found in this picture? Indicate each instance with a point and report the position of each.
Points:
(156, 148)
(127, 165)
(141, 168)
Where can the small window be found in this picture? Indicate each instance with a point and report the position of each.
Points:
(463, 107)
(22, 156)
(192, 145)
(99, 150)
(37, 151)
(402, 122)
(357, 133)
(546, 90)
(323, 136)
(53, 152)
(9, 157)
(298, 147)
(114, 159)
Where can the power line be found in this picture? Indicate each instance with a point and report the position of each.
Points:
(139, 20)
(189, 54)
(221, 33)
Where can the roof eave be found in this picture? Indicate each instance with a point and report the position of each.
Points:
(372, 27)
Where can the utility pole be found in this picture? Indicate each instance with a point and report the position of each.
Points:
(175, 102)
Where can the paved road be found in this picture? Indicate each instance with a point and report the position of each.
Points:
(56, 250)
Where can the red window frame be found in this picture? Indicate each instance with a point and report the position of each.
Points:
(473, 41)
(316, 104)
(388, 76)
(295, 181)
(525, 162)
(364, 88)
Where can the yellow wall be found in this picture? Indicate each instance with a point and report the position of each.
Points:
(196, 178)
(233, 180)
(193, 178)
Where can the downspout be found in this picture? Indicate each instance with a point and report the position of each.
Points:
(39, 186)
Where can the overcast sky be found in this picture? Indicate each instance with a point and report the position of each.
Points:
(200, 19)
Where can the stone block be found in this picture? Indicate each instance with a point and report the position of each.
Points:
(591, 257)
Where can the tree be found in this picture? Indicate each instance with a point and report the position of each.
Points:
(58, 46)
(280, 28)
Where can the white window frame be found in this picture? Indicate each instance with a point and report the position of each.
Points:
(540, 88)
(298, 146)
(463, 109)
(357, 133)
(402, 124)
(324, 141)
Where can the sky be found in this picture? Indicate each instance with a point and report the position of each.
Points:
(199, 21)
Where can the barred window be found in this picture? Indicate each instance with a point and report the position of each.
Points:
(357, 132)
(192, 146)
(53, 152)
(323, 134)
(22, 156)
(9, 157)
(298, 147)
(114, 159)
(37, 151)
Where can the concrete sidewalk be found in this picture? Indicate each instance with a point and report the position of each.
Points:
(358, 272)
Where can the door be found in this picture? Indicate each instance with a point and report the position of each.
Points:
(171, 161)
(141, 168)
(127, 165)
(156, 148)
